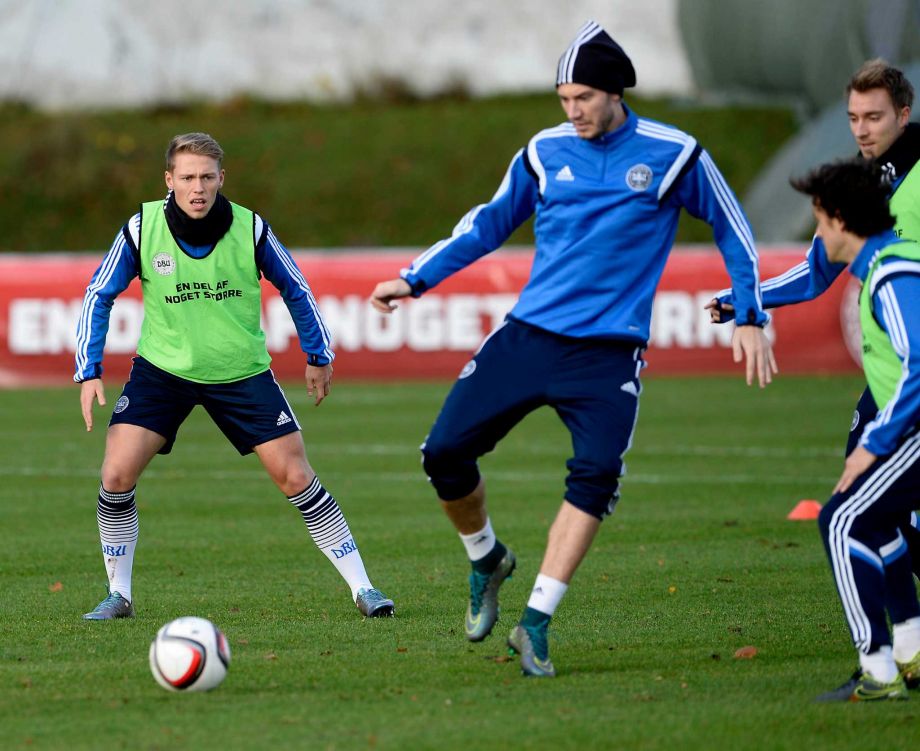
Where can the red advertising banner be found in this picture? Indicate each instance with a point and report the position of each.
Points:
(431, 337)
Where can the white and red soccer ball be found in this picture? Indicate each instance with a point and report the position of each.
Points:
(189, 654)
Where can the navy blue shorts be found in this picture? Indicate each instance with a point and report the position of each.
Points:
(249, 412)
(593, 386)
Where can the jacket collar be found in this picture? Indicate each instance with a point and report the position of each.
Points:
(866, 257)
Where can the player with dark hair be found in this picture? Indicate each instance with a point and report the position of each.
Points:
(879, 99)
(606, 189)
(881, 476)
(199, 258)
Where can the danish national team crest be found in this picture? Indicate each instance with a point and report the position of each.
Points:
(164, 264)
(639, 177)
(468, 369)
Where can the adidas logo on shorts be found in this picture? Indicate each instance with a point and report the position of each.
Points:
(283, 418)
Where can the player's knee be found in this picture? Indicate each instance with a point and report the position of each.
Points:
(452, 474)
(294, 479)
(117, 479)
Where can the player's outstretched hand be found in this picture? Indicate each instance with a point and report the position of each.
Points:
(857, 462)
(719, 312)
(319, 381)
(750, 343)
(385, 292)
(89, 391)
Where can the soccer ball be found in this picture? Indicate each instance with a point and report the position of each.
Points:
(189, 654)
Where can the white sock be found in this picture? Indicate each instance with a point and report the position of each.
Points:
(116, 515)
(546, 594)
(479, 544)
(329, 530)
(880, 665)
(906, 640)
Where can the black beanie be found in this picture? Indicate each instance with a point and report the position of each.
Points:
(595, 60)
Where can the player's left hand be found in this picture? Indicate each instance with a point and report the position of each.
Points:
(750, 343)
(319, 381)
(857, 462)
(386, 292)
(91, 391)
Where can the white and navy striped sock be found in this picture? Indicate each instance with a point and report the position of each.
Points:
(329, 530)
(116, 515)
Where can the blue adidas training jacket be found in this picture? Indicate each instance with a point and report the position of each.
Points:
(606, 216)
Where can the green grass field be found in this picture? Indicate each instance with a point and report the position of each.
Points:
(697, 562)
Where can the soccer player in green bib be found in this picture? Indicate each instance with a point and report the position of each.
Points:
(880, 482)
(199, 258)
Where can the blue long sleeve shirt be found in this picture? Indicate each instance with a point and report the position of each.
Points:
(896, 307)
(606, 214)
(120, 266)
(816, 273)
(804, 281)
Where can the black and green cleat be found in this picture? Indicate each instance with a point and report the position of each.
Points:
(863, 687)
(910, 671)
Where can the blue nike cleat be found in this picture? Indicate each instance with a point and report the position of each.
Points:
(530, 643)
(374, 604)
(113, 606)
(482, 609)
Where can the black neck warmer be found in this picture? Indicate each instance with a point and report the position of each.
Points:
(198, 232)
(903, 154)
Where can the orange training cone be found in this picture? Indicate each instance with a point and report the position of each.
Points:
(805, 510)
